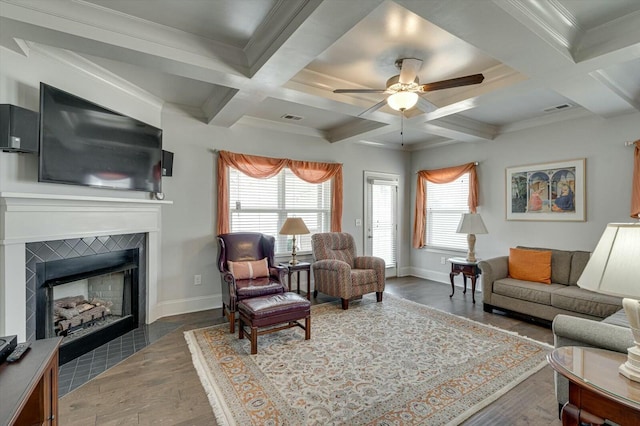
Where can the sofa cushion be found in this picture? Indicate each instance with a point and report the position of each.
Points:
(530, 265)
(561, 263)
(526, 290)
(578, 263)
(576, 299)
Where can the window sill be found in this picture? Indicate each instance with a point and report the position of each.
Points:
(441, 250)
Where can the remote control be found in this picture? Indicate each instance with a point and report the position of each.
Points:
(17, 353)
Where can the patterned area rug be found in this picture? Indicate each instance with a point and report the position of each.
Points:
(390, 363)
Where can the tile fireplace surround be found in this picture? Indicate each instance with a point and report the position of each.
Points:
(28, 218)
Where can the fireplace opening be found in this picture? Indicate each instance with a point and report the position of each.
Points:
(87, 300)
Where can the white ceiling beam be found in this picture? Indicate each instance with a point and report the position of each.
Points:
(316, 27)
(53, 21)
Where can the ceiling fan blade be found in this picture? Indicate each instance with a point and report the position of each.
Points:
(454, 82)
(373, 108)
(359, 90)
(409, 70)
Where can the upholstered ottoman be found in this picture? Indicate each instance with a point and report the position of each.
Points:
(270, 311)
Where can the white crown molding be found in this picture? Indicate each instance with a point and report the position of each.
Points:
(549, 20)
(280, 127)
(571, 114)
(612, 85)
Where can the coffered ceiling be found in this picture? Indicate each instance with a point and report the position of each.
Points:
(255, 62)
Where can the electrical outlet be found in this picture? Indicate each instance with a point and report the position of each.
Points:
(197, 280)
(442, 260)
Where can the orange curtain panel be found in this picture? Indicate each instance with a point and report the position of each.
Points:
(635, 185)
(266, 167)
(445, 175)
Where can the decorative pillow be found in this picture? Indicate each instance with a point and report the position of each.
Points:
(249, 269)
(530, 265)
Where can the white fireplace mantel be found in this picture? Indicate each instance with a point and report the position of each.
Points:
(28, 217)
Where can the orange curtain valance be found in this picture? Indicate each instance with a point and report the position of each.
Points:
(266, 167)
(445, 175)
(635, 185)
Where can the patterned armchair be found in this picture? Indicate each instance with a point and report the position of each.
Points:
(247, 247)
(339, 272)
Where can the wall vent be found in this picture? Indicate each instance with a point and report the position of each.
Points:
(292, 117)
(558, 108)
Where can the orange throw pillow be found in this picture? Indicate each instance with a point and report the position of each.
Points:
(250, 269)
(530, 265)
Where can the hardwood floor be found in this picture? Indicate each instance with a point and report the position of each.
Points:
(159, 385)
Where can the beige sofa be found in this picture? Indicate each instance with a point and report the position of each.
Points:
(545, 301)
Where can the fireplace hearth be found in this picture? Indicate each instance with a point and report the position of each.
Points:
(87, 300)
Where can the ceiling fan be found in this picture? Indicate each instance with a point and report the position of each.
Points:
(405, 89)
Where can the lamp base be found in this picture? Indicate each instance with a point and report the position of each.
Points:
(471, 254)
(631, 368)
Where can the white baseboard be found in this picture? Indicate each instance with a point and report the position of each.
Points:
(185, 306)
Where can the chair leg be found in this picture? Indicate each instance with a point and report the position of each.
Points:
(378, 296)
(345, 304)
(315, 293)
(240, 328)
(232, 322)
(254, 340)
(307, 328)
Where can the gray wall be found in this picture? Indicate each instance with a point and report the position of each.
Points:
(609, 167)
(188, 225)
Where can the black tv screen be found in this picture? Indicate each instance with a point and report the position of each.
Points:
(82, 143)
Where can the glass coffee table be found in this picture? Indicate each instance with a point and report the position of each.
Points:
(596, 389)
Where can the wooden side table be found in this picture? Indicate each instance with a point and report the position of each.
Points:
(597, 392)
(29, 387)
(460, 265)
(300, 266)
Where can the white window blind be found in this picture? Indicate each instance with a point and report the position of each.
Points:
(262, 205)
(446, 202)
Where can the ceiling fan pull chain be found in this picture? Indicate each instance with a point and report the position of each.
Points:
(402, 128)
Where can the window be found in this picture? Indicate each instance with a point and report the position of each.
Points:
(446, 202)
(262, 205)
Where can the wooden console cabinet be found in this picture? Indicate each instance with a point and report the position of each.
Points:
(29, 387)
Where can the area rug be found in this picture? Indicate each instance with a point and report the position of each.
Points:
(390, 363)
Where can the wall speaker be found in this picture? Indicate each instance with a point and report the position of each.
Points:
(167, 163)
(18, 129)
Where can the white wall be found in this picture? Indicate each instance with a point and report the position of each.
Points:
(609, 167)
(188, 226)
(188, 242)
(188, 231)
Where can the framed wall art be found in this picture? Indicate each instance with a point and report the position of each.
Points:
(549, 191)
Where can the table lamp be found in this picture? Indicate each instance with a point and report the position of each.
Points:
(294, 226)
(471, 224)
(613, 269)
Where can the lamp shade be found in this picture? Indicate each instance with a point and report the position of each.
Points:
(294, 226)
(613, 266)
(401, 101)
(471, 223)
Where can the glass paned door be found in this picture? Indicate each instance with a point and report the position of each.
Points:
(381, 228)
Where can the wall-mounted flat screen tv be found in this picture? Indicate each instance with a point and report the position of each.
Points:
(82, 143)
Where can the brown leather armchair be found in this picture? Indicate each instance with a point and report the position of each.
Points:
(339, 272)
(242, 247)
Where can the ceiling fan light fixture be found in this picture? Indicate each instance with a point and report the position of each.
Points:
(402, 101)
